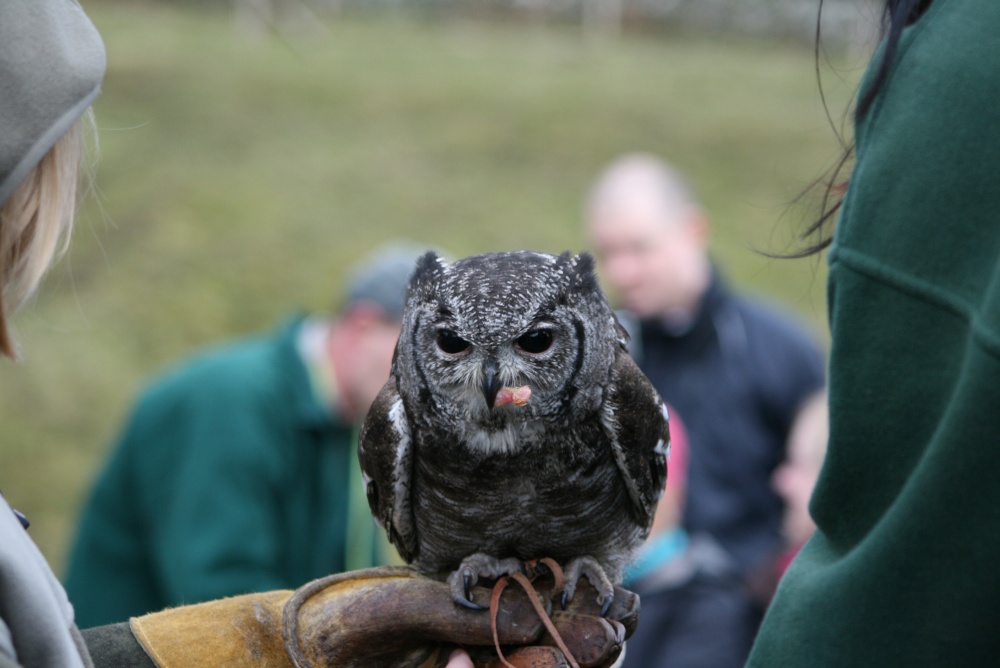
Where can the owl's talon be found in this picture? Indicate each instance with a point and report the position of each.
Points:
(468, 581)
(564, 599)
(591, 569)
(474, 568)
(470, 604)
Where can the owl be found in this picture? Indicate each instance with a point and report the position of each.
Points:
(514, 426)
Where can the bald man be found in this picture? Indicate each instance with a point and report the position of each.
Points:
(736, 368)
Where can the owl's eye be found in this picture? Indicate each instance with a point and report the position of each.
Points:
(451, 343)
(536, 341)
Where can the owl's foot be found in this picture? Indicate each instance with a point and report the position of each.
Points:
(477, 566)
(595, 574)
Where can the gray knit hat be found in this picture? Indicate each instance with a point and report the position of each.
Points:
(51, 64)
(382, 276)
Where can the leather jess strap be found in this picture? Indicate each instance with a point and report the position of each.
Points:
(533, 596)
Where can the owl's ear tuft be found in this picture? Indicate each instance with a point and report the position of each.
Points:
(579, 275)
(426, 275)
(584, 276)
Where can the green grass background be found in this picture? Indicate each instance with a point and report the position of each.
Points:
(238, 177)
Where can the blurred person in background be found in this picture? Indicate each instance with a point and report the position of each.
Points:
(237, 470)
(902, 568)
(738, 370)
(794, 479)
(52, 62)
(696, 612)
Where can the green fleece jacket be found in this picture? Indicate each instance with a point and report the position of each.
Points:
(905, 567)
(229, 478)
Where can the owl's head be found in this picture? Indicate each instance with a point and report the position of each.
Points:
(507, 320)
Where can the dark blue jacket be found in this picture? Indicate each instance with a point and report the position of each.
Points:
(737, 377)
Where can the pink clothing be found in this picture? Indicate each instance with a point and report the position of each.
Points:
(677, 460)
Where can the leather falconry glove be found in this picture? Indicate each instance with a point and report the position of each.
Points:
(389, 616)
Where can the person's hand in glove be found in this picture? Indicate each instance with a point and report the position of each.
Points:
(386, 617)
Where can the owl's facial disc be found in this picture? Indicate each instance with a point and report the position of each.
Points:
(491, 378)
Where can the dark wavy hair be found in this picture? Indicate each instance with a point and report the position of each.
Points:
(896, 15)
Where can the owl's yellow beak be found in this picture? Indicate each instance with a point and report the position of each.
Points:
(491, 382)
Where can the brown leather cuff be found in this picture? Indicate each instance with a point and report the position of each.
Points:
(238, 631)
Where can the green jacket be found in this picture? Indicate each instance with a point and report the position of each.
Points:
(229, 478)
(905, 567)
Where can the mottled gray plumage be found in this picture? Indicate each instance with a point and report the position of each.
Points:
(466, 486)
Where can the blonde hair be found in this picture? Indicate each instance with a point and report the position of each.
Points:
(35, 224)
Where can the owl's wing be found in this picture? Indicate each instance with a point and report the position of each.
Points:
(636, 420)
(384, 450)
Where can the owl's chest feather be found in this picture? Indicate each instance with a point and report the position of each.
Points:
(557, 494)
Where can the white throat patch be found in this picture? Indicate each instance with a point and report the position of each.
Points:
(509, 440)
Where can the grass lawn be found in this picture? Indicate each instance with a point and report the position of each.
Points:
(239, 177)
